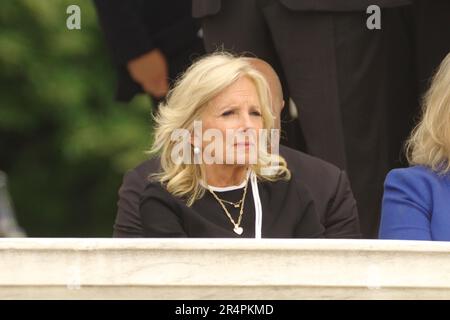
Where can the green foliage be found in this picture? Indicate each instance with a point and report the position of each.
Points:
(64, 142)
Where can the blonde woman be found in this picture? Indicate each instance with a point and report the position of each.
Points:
(416, 202)
(249, 198)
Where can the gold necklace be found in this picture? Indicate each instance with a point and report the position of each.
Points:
(234, 204)
(237, 229)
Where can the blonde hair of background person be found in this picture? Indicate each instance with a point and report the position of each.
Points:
(185, 103)
(429, 143)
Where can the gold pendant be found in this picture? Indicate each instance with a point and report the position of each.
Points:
(238, 230)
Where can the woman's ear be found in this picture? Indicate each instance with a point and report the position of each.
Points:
(196, 134)
(192, 139)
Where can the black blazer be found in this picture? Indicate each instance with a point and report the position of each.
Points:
(288, 211)
(327, 185)
(202, 8)
(134, 27)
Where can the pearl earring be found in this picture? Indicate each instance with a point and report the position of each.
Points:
(196, 150)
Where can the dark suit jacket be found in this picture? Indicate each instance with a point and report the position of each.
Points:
(328, 186)
(201, 8)
(134, 27)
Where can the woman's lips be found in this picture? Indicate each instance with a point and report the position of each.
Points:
(247, 144)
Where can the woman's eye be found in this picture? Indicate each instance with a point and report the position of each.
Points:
(256, 113)
(227, 113)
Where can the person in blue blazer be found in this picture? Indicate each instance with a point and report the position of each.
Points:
(416, 201)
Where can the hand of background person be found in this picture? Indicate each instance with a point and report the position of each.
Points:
(151, 72)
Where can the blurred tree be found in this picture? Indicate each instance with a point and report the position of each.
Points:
(64, 142)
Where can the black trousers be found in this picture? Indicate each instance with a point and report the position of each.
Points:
(432, 35)
(353, 87)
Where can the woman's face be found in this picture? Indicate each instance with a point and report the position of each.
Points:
(236, 109)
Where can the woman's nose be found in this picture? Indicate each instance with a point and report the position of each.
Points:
(245, 122)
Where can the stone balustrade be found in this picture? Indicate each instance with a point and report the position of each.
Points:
(223, 269)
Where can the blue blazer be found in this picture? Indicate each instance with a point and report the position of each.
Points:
(416, 205)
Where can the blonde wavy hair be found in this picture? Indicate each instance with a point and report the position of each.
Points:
(185, 104)
(429, 143)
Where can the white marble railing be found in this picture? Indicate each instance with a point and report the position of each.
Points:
(223, 269)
